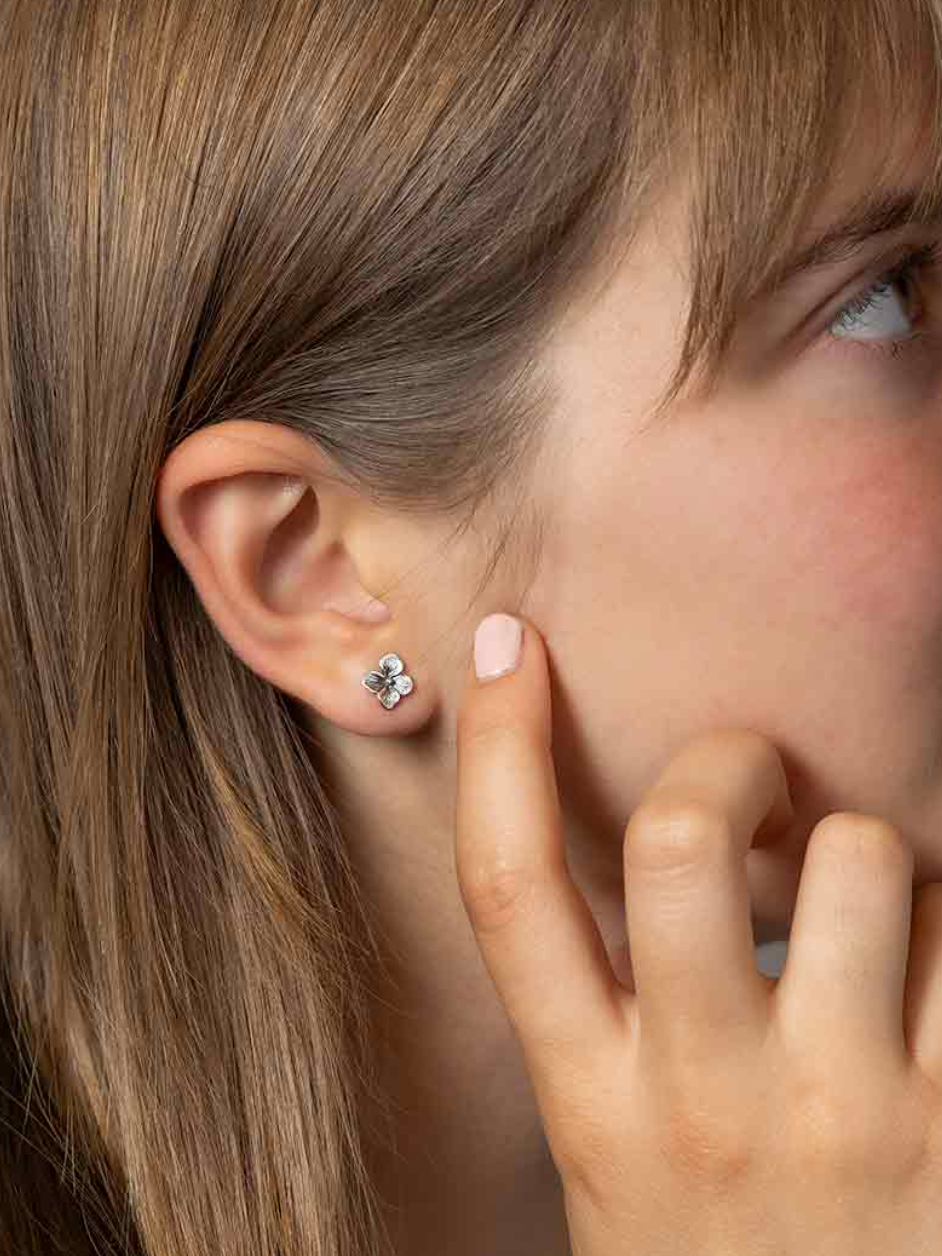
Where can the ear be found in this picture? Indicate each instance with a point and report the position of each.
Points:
(282, 554)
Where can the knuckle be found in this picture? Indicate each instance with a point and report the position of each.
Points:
(668, 834)
(583, 1150)
(497, 897)
(705, 1147)
(588, 1111)
(862, 837)
(840, 1130)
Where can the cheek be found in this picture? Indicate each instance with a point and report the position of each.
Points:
(868, 542)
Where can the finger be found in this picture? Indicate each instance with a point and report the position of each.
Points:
(536, 934)
(843, 985)
(687, 899)
(922, 1010)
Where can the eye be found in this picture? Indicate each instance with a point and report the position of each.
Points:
(881, 314)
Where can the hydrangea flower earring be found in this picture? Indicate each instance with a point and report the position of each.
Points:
(389, 684)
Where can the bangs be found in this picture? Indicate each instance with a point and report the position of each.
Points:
(765, 104)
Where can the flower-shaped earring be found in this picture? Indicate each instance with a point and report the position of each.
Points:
(388, 683)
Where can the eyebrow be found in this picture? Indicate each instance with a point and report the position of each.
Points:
(874, 214)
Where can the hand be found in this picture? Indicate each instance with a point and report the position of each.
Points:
(713, 1110)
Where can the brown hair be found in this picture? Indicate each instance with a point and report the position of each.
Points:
(361, 220)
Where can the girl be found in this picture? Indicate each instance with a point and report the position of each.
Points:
(328, 327)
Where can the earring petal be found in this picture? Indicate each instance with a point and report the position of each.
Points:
(391, 664)
(389, 698)
(375, 682)
(403, 684)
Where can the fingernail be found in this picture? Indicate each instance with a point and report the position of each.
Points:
(497, 645)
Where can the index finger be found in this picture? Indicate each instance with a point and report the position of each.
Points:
(536, 933)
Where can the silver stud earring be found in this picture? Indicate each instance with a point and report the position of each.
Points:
(389, 684)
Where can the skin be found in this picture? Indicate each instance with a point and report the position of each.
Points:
(768, 559)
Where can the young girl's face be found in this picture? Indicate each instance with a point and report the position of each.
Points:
(769, 559)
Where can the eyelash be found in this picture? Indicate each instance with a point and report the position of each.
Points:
(916, 264)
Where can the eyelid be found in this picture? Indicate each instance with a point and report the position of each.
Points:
(790, 321)
(916, 264)
(824, 312)
(919, 266)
